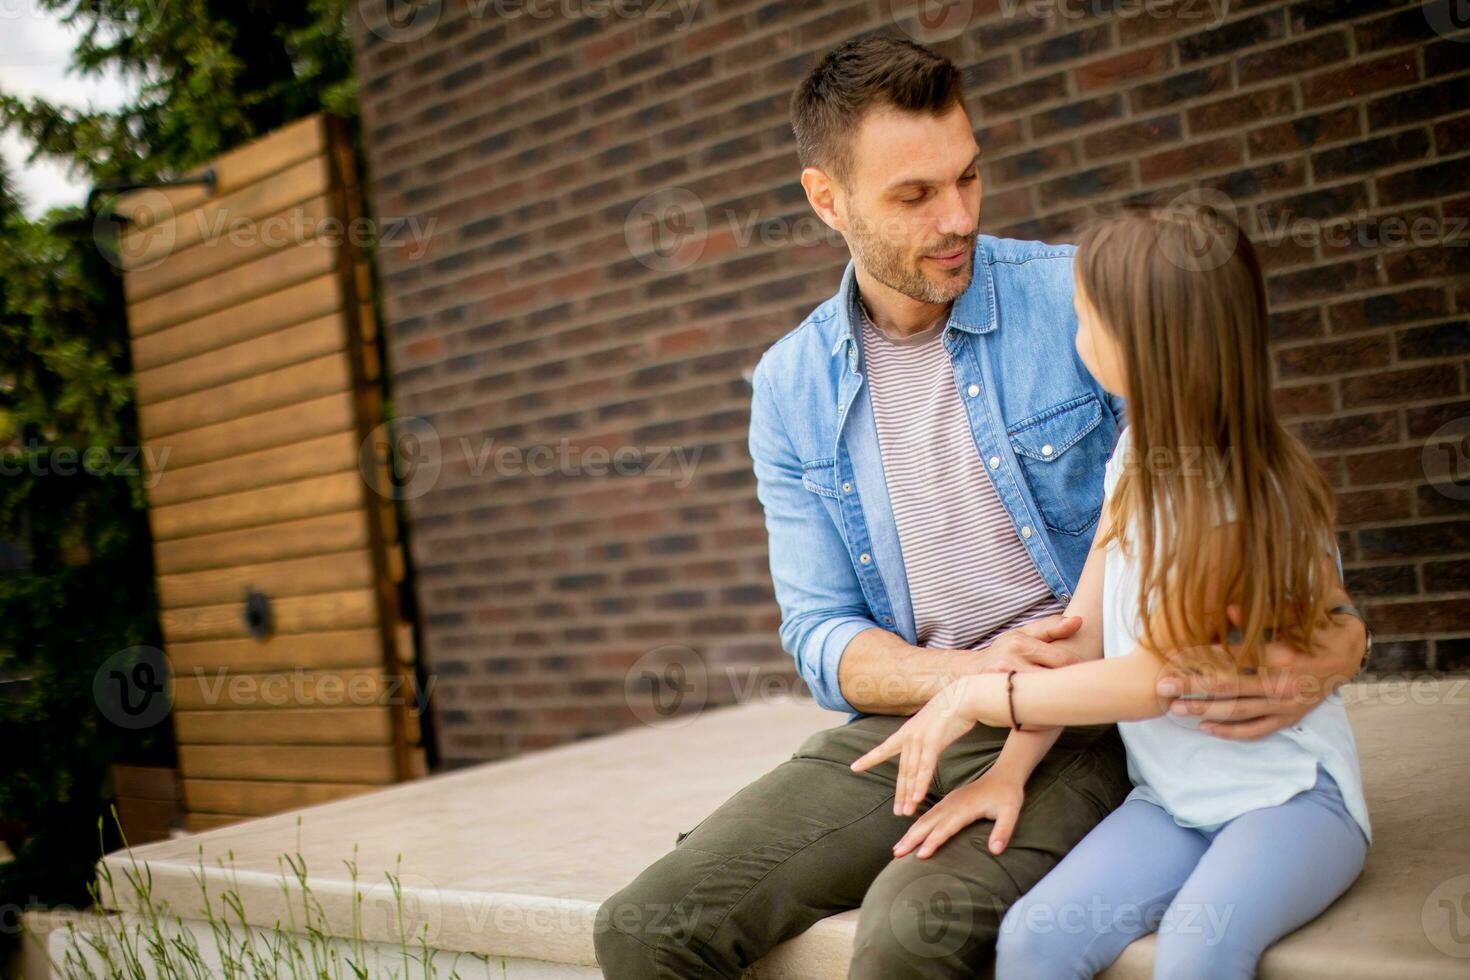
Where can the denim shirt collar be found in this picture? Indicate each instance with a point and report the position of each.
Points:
(973, 311)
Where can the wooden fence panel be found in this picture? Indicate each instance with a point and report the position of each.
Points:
(258, 382)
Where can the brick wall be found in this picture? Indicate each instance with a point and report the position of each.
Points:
(544, 299)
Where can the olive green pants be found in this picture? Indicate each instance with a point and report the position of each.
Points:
(812, 838)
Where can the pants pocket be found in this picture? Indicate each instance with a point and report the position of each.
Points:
(1099, 774)
(679, 837)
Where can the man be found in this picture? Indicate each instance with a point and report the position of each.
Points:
(929, 452)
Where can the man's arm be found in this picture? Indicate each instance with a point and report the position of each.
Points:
(1243, 708)
(880, 674)
(821, 600)
(1293, 682)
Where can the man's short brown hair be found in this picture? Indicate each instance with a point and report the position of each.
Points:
(868, 72)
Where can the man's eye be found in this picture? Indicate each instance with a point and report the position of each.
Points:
(969, 178)
(913, 200)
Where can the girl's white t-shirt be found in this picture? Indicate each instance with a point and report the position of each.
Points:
(1204, 781)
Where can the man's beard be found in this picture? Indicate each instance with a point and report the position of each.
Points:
(894, 269)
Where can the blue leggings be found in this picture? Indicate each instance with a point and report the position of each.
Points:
(1217, 900)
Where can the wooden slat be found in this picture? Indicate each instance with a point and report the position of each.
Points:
(200, 822)
(262, 796)
(240, 167)
(407, 655)
(146, 782)
(346, 531)
(289, 345)
(227, 691)
(310, 457)
(252, 508)
(309, 651)
(233, 228)
(265, 430)
(294, 614)
(268, 274)
(257, 317)
(285, 726)
(324, 763)
(146, 813)
(301, 576)
(272, 389)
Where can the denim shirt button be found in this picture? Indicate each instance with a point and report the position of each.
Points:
(847, 488)
(994, 462)
(865, 557)
(1026, 531)
(973, 390)
(1046, 450)
(887, 620)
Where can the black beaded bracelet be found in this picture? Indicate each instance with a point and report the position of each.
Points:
(1011, 698)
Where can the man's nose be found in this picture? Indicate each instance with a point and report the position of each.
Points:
(958, 218)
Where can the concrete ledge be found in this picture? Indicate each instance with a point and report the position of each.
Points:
(512, 859)
(38, 930)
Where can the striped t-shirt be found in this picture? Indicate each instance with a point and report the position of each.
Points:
(969, 576)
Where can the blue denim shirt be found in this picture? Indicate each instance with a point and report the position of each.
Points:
(1042, 424)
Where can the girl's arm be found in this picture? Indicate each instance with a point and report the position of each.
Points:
(1023, 751)
(1094, 693)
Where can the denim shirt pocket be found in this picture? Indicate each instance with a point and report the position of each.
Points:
(1062, 450)
(817, 475)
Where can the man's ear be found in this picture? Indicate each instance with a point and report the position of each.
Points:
(821, 194)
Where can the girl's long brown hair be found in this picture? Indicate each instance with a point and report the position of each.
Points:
(1181, 291)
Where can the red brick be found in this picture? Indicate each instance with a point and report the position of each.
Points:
(1195, 159)
(1392, 71)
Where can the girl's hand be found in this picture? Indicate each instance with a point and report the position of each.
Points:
(919, 743)
(992, 796)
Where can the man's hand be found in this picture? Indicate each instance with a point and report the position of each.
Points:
(1029, 647)
(1242, 707)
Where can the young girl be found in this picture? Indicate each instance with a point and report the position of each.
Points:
(1216, 535)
